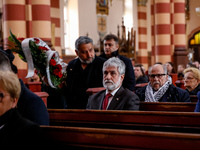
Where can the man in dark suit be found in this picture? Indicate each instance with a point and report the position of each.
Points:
(111, 46)
(115, 97)
(82, 73)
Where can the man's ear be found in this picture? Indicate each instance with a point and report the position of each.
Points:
(76, 51)
(122, 77)
(14, 102)
(117, 46)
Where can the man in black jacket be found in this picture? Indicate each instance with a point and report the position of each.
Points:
(82, 73)
(160, 87)
(111, 46)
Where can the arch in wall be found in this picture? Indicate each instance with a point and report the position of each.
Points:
(194, 43)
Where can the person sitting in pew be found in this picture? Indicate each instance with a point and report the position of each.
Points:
(115, 97)
(139, 74)
(197, 108)
(192, 80)
(29, 105)
(15, 131)
(160, 87)
(180, 70)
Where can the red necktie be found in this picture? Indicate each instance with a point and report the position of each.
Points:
(105, 101)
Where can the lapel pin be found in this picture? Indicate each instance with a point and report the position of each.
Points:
(71, 69)
(117, 99)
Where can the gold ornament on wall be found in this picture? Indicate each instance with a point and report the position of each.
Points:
(102, 7)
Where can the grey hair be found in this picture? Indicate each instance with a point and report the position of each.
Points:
(164, 68)
(4, 63)
(82, 40)
(115, 62)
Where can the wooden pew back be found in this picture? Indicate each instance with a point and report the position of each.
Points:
(167, 106)
(90, 138)
(124, 118)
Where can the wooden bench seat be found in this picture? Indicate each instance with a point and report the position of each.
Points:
(168, 106)
(193, 98)
(90, 138)
(187, 122)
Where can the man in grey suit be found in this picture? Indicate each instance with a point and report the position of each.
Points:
(115, 97)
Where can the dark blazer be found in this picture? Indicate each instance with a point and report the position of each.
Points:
(76, 95)
(18, 132)
(173, 94)
(129, 79)
(123, 99)
(32, 107)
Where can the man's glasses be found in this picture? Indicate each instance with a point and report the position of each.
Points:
(156, 75)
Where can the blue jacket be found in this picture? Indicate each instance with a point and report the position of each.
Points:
(32, 107)
(173, 94)
(197, 108)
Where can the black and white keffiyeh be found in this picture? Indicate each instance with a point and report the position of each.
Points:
(154, 97)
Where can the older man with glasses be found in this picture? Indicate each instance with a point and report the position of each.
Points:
(160, 87)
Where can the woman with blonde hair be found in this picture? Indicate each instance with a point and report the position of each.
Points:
(192, 80)
(15, 131)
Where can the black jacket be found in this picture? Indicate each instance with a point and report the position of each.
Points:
(195, 91)
(32, 107)
(129, 79)
(173, 94)
(18, 132)
(76, 96)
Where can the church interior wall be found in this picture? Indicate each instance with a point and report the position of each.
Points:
(194, 21)
(88, 18)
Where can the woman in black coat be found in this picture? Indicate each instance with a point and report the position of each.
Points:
(15, 131)
(192, 80)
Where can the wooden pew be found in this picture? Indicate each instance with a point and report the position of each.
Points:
(90, 138)
(194, 98)
(91, 91)
(137, 86)
(34, 86)
(187, 122)
(168, 106)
